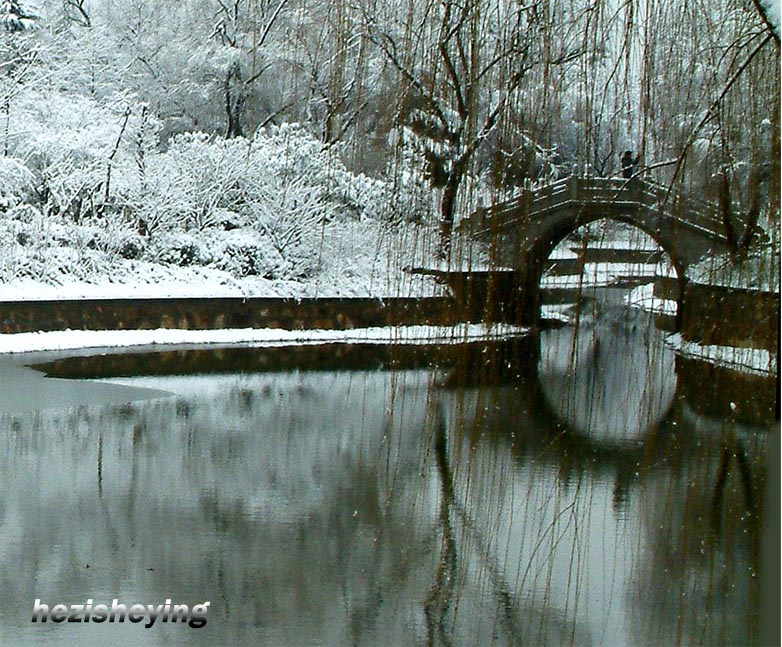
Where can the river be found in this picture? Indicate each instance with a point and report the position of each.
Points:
(565, 489)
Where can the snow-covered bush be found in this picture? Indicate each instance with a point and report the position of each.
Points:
(269, 207)
(15, 181)
(243, 254)
(114, 235)
(279, 189)
(69, 184)
(49, 249)
(407, 195)
(195, 181)
(74, 146)
(289, 153)
(179, 248)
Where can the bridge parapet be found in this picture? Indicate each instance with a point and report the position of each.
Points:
(593, 193)
(524, 230)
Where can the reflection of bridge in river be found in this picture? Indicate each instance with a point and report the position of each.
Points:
(524, 230)
(684, 482)
(462, 500)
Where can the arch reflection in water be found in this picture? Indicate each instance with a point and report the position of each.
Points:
(363, 507)
(648, 542)
(610, 380)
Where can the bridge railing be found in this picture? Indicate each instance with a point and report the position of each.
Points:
(574, 191)
(690, 211)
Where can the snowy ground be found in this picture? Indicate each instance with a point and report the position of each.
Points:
(753, 361)
(603, 274)
(643, 297)
(120, 339)
(557, 312)
(162, 283)
(759, 271)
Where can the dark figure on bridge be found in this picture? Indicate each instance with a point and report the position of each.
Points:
(629, 163)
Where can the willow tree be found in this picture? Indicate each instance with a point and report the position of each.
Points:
(710, 106)
(460, 65)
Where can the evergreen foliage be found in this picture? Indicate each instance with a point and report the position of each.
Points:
(14, 17)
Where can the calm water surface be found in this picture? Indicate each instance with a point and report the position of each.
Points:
(575, 494)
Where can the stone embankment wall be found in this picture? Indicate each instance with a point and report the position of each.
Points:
(204, 314)
(720, 393)
(714, 315)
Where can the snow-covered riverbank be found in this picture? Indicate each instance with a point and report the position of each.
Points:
(753, 361)
(69, 340)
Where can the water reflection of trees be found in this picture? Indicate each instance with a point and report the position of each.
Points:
(684, 486)
(384, 506)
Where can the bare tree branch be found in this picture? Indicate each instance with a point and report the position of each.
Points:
(81, 16)
(771, 28)
(275, 15)
(391, 55)
(712, 112)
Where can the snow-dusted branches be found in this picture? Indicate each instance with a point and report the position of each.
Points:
(461, 65)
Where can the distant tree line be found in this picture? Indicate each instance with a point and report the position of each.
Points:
(479, 97)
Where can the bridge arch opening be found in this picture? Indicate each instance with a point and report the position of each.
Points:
(607, 261)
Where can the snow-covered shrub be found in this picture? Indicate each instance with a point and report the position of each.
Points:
(71, 184)
(290, 153)
(114, 234)
(179, 248)
(245, 253)
(291, 216)
(196, 181)
(407, 196)
(15, 181)
(48, 249)
(75, 146)
(269, 207)
(132, 247)
(281, 187)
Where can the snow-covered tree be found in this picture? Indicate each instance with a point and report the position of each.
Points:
(15, 17)
(710, 102)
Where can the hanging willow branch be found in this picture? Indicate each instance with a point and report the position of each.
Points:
(713, 111)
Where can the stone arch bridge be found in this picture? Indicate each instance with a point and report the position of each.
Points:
(524, 230)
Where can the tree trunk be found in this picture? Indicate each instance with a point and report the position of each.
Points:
(447, 212)
(448, 205)
(234, 102)
(753, 213)
(724, 201)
